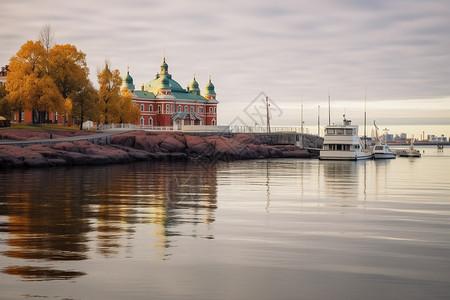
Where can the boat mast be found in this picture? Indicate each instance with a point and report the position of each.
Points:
(301, 116)
(318, 120)
(268, 117)
(365, 118)
(329, 109)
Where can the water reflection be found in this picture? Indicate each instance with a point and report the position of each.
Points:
(345, 178)
(63, 214)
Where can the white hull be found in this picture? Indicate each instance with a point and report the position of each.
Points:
(383, 155)
(344, 155)
(382, 152)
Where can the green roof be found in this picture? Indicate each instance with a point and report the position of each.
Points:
(144, 94)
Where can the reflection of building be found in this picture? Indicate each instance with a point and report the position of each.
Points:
(163, 102)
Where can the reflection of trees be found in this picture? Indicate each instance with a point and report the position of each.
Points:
(50, 212)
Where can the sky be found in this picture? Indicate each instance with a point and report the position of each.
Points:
(393, 53)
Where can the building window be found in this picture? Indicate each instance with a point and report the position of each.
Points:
(180, 108)
(215, 111)
(186, 108)
(142, 121)
(150, 121)
(167, 108)
(192, 109)
(150, 107)
(142, 107)
(201, 109)
(213, 122)
(159, 109)
(210, 110)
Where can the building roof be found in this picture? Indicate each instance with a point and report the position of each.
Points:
(144, 94)
(128, 82)
(164, 80)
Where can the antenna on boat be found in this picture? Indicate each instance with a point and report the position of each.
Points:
(329, 109)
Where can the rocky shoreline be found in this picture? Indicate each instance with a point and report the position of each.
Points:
(144, 146)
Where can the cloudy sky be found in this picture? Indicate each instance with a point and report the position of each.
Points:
(395, 51)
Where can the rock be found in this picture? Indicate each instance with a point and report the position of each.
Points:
(171, 144)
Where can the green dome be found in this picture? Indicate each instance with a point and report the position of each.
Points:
(128, 82)
(164, 67)
(164, 84)
(209, 88)
(193, 87)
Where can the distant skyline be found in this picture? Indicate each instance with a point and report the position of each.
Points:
(296, 52)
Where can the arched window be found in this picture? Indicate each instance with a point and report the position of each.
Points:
(167, 108)
(213, 122)
(215, 111)
(180, 108)
(142, 121)
(150, 107)
(186, 108)
(150, 121)
(142, 107)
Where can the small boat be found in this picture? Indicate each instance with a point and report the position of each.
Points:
(382, 151)
(409, 152)
(341, 142)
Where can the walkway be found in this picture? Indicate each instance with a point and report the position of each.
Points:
(102, 138)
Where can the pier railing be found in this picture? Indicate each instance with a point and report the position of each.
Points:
(203, 128)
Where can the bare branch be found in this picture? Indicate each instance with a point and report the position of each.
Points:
(47, 37)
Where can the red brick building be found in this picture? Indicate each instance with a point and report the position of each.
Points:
(163, 102)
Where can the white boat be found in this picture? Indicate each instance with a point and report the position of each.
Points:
(382, 151)
(409, 152)
(341, 142)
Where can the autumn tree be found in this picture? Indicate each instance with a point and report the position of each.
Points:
(6, 109)
(29, 86)
(84, 103)
(109, 96)
(45, 77)
(129, 113)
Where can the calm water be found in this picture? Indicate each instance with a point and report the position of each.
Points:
(265, 229)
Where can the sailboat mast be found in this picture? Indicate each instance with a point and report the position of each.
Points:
(365, 117)
(301, 118)
(318, 120)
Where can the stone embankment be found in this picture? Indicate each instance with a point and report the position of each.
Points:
(141, 146)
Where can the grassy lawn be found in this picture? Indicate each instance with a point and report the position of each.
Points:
(41, 127)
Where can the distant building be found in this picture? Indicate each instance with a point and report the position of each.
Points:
(3, 74)
(403, 136)
(389, 137)
(163, 102)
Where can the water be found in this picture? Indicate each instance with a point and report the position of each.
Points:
(264, 229)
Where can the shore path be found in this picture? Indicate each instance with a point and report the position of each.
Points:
(101, 137)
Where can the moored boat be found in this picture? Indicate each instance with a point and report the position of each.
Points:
(382, 152)
(409, 152)
(341, 142)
